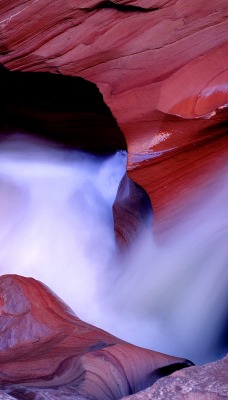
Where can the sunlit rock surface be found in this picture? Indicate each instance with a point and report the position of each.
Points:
(207, 382)
(44, 345)
(162, 69)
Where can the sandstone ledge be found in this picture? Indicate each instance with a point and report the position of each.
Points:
(206, 382)
(46, 350)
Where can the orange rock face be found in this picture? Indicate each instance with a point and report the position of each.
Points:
(44, 345)
(161, 67)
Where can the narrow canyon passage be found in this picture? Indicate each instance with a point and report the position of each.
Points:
(57, 226)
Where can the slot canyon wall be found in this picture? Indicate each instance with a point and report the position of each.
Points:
(162, 69)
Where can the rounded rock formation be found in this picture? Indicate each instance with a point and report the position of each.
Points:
(45, 345)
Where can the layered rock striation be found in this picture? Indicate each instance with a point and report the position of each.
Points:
(44, 345)
(196, 383)
(161, 67)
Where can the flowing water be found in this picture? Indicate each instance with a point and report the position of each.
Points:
(56, 226)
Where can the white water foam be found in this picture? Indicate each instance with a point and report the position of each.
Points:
(56, 220)
(56, 226)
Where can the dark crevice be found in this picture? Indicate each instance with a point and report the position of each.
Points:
(69, 111)
(128, 8)
(168, 370)
(22, 394)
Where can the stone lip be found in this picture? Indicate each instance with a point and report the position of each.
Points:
(46, 348)
(206, 382)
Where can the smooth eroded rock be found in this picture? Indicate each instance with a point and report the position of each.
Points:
(132, 213)
(206, 382)
(45, 345)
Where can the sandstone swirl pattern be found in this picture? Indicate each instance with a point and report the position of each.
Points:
(45, 346)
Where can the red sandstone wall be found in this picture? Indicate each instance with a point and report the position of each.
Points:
(161, 67)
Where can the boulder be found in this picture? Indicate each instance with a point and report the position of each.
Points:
(46, 348)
